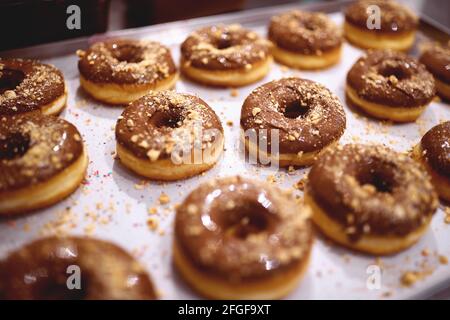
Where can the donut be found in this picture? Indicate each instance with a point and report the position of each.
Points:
(42, 160)
(396, 29)
(42, 269)
(119, 71)
(169, 136)
(303, 116)
(370, 198)
(390, 85)
(433, 152)
(305, 40)
(236, 238)
(28, 85)
(437, 60)
(225, 56)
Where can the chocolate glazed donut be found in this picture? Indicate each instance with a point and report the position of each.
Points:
(370, 198)
(433, 152)
(397, 27)
(390, 85)
(42, 160)
(169, 136)
(119, 71)
(236, 238)
(305, 40)
(306, 116)
(40, 271)
(27, 85)
(436, 58)
(225, 56)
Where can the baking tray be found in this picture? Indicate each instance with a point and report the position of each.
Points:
(115, 205)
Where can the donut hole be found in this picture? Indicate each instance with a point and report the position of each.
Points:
(294, 110)
(14, 146)
(309, 25)
(167, 119)
(224, 44)
(245, 220)
(225, 41)
(10, 79)
(378, 178)
(128, 54)
(398, 71)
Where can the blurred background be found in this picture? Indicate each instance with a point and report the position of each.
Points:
(30, 22)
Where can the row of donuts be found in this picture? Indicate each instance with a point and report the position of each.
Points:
(119, 71)
(384, 84)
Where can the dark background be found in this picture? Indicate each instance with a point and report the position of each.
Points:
(29, 22)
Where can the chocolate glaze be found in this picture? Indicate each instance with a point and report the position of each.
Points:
(371, 189)
(436, 148)
(124, 61)
(391, 78)
(242, 230)
(38, 271)
(34, 148)
(437, 60)
(224, 48)
(310, 33)
(395, 18)
(153, 124)
(307, 115)
(27, 85)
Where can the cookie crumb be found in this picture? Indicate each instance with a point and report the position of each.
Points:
(152, 223)
(164, 198)
(300, 184)
(409, 278)
(443, 260)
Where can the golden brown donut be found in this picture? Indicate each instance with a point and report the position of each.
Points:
(433, 152)
(305, 40)
(169, 136)
(236, 238)
(42, 160)
(41, 271)
(370, 198)
(305, 115)
(28, 85)
(225, 56)
(397, 25)
(390, 85)
(436, 58)
(118, 71)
